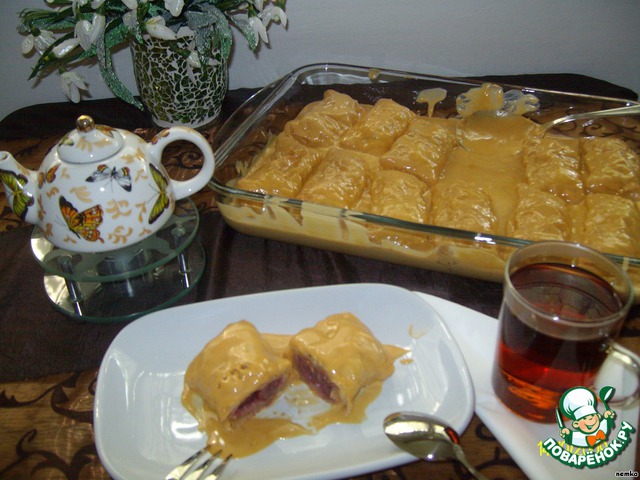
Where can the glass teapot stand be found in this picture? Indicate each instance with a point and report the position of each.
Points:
(124, 284)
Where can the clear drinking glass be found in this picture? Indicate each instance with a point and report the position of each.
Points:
(563, 308)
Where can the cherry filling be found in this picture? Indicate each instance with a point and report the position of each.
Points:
(259, 399)
(315, 378)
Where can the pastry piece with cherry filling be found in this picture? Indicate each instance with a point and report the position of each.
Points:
(339, 357)
(237, 374)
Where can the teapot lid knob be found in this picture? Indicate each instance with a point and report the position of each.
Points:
(85, 123)
(89, 142)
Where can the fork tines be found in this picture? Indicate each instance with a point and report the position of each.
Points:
(200, 466)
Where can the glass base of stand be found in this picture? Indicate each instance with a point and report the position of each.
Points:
(127, 299)
(125, 284)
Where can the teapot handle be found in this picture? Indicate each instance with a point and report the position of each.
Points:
(184, 188)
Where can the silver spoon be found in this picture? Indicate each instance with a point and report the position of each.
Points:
(612, 112)
(427, 438)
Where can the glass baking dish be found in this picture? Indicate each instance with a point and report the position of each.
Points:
(474, 254)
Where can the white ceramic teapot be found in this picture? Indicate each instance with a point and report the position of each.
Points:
(101, 188)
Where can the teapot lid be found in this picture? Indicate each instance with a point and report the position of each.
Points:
(89, 142)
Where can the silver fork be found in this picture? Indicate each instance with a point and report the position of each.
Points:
(202, 465)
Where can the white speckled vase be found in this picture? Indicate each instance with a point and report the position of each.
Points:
(176, 93)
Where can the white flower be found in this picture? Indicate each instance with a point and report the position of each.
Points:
(65, 47)
(258, 4)
(259, 28)
(273, 14)
(76, 4)
(174, 6)
(88, 33)
(41, 42)
(96, 4)
(157, 28)
(71, 84)
(27, 44)
(130, 20)
(130, 4)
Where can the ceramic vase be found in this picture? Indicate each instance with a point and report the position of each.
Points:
(175, 92)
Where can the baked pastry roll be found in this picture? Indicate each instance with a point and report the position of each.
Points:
(321, 123)
(539, 216)
(281, 168)
(398, 195)
(423, 149)
(338, 357)
(612, 224)
(464, 206)
(340, 178)
(553, 165)
(378, 128)
(611, 167)
(236, 374)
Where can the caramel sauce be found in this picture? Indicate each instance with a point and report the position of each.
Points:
(431, 97)
(242, 438)
(487, 98)
(488, 156)
(297, 412)
(374, 73)
(337, 414)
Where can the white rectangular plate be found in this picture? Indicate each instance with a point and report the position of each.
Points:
(142, 431)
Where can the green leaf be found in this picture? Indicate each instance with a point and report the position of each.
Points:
(109, 75)
(247, 32)
(46, 19)
(212, 30)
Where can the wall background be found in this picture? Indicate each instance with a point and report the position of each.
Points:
(599, 38)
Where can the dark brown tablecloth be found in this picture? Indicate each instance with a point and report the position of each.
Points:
(48, 361)
(37, 340)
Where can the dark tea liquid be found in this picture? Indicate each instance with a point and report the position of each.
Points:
(534, 368)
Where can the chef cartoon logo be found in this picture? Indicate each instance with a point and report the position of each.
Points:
(591, 428)
(588, 438)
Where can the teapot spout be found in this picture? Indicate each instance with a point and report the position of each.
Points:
(20, 185)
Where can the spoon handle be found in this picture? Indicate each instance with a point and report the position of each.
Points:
(463, 460)
(612, 112)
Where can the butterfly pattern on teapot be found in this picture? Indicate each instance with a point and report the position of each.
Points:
(100, 188)
(17, 196)
(108, 174)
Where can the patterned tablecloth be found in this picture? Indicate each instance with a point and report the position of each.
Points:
(49, 362)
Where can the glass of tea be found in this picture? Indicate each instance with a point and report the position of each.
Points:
(563, 308)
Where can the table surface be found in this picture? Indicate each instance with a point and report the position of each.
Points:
(49, 362)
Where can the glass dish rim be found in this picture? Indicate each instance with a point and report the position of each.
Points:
(273, 90)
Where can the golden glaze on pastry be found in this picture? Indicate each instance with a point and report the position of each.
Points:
(339, 357)
(398, 195)
(378, 128)
(483, 172)
(463, 206)
(423, 149)
(237, 373)
(553, 165)
(320, 123)
(539, 216)
(612, 224)
(282, 169)
(611, 167)
(340, 179)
